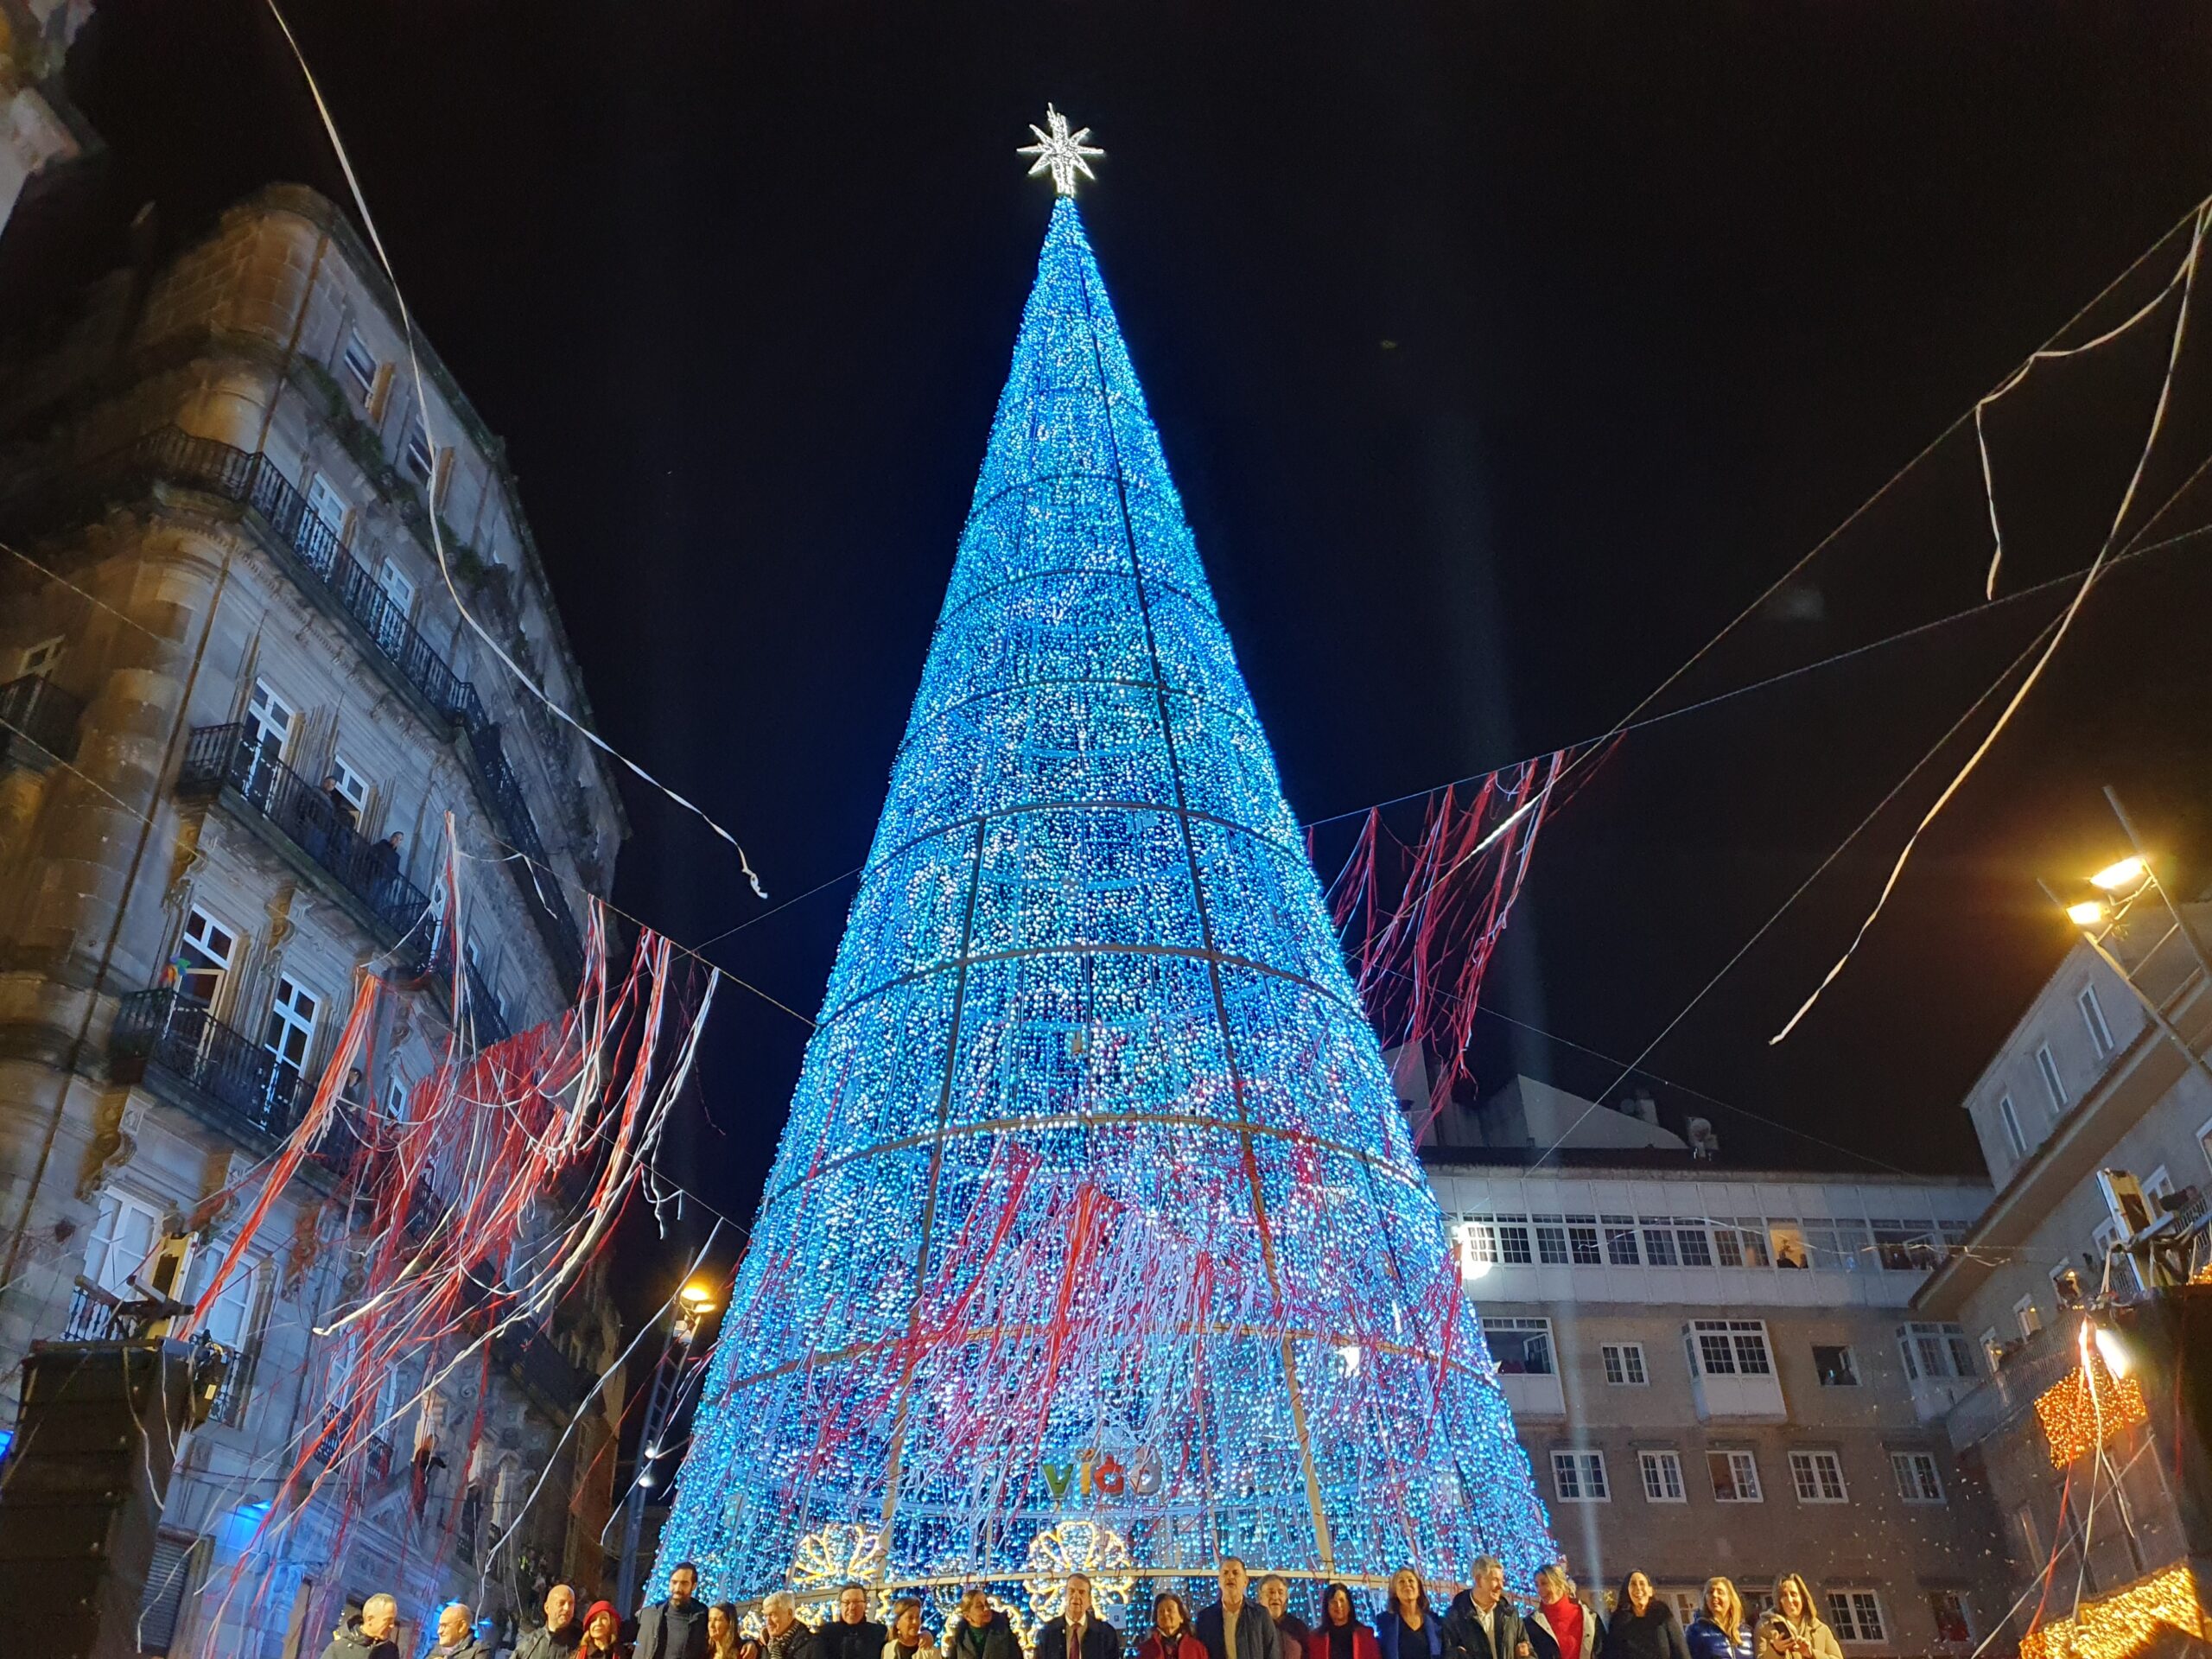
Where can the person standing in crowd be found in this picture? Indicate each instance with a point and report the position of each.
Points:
(367, 1634)
(602, 1634)
(1171, 1635)
(908, 1640)
(675, 1628)
(456, 1640)
(1342, 1636)
(1481, 1623)
(851, 1634)
(1642, 1625)
(1409, 1628)
(1234, 1628)
(724, 1638)
(982, 1631)
(1079, 1632)
(1560, 1626)
(1791, 1628)
(1291, 1632)
(1719, 1631)
(560, 1635)
(784, 1634)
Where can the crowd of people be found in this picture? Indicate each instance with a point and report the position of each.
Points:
(1481, 1621)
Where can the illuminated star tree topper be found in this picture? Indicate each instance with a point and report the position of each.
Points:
(1061, 153)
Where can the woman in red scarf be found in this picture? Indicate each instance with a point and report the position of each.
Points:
(1558, 1626)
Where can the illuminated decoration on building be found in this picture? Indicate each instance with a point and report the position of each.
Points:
(1100, 1554)
(2072, 1409)
(2124, 1623)
(1093, 1170)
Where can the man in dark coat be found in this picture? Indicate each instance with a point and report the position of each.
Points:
(368, 1634)
(1234, 1628)
(851, 1634)
(675, 1628)
(1481, 1623)
(1078, 1633)
(1290, 1629)
(560, 1635)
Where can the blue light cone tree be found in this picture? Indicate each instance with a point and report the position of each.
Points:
(1095, 1237)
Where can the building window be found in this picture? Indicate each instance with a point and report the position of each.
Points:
(1623, 1364)
(1620, 1242)
(1481, 1236)
(2029, 1315)
(1856, 1615)
(1788, 1241)
(203, 954)
(1582, 1241)
(38, 661)
(1834, 1366)
(360, 365)
(2093, 1016)
(1520, 1347)
(1992, 1348)
(1919, 1480)
(1691, 1240)
(269, 721)
(1818, 1477)
(1735, 1476)
(1663, 1477)
(1947, 1609)
(394, 1098)
(2031, 1535)
(1551, 1240)
(1904, 1246)
(1581, 1476)
(2052, 1084)
(1513, 1242)
(1933, 1350)
(2010, 1115)
(325, 502)
(126, 1234)
(422, 463)
(291, 1029)
(352, 788)
(235, 1320)
(1728, 1347)
(1659, 1243)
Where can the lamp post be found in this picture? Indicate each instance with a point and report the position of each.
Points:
(692, 1305)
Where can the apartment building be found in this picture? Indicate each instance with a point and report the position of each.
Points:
(2085, 1081)
(239, 709)
(1717, 1370)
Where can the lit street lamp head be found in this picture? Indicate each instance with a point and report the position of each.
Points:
(2125, 876)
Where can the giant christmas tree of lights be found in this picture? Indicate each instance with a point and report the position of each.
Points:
(1095, 1238)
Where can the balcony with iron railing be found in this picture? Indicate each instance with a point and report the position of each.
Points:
(179, 1050)
(37, 719)
(315, 555)
(231, 763)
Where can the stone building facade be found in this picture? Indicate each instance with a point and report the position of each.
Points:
(238, 709)
(1715, 1370)
(2085, 1081)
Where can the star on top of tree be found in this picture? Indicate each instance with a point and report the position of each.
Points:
(1061, 153)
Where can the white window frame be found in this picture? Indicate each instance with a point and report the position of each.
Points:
(351, 783)
(288, 1027)
(1850, 1364)
(1914, 1473)
(38, 658)
(2027, 1316)
(417, 443)
(102, 1265)
(1662, 1472)
(2093, 1016)
(329, 506)
(1521, 1326)
(1857, 1607)
(262, 709)
(1816, 1473)
(1937, 1350)
(1624, 1364)
(2053, 1084)
(396, 1091)
(360, 365)
(1965, 1600)
(243, 1306)
(1579, 1476)
(200, 938)
(1743, 1467)
(2009, 1115)
(1734, 1343)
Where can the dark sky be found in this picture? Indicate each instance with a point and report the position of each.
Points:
(1503, 351)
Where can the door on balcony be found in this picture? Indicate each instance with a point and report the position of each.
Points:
(126, 1241)
(328, 505)
(267, 738)
(290, 1034)
(392, 615)
(235, 1321)
(204, 956)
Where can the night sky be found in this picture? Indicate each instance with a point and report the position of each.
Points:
(1503, 352)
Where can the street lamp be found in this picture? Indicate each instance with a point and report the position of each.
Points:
(690, 1309)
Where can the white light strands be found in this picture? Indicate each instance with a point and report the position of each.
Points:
(1060, 152)
(1094, 1176)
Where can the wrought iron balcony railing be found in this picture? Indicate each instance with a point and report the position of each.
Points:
(163, 1035)
(36, 713)
(319, 560)
(232, 758)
